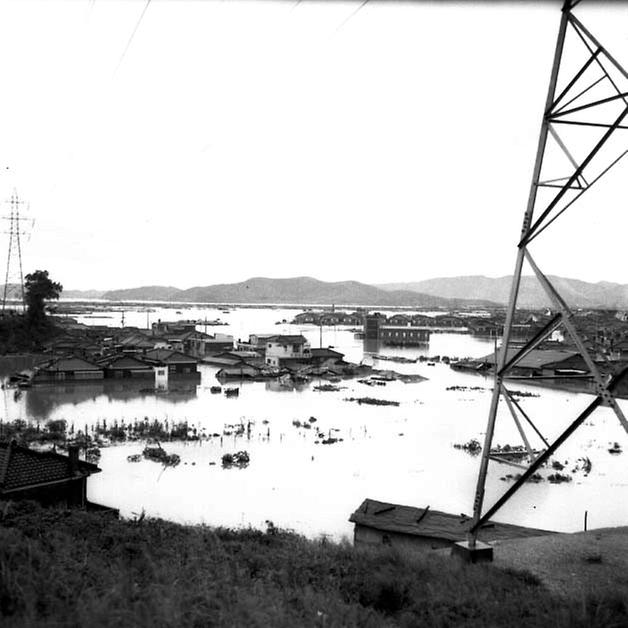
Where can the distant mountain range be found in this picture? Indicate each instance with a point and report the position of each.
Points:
(293, 290)
(578, 294)
(443, 292)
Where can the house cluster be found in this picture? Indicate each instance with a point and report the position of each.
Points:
(268, 355)
(325, 318)
(96, 352)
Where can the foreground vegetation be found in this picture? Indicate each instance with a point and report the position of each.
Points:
(67, 568)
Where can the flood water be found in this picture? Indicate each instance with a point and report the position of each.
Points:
(401, 454)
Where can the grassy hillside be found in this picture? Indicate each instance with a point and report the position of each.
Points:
(66, 568)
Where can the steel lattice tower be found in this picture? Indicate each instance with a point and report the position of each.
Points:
(590, 98)
(14, 257)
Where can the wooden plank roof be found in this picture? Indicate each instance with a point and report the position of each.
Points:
(434, 524)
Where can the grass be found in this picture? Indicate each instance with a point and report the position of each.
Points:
(72, 568)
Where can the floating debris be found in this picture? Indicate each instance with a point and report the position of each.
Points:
(615, 449)
(328, 388)
(472, 447)
(522, 393)
(215, 390)
(536, 478)
(372, 402)
(372, 382)
(465, 388)
(558, 478)
(558, 466)
(158, 454)
(582, 464)
(395, 358)
(240, 459)
(232, 392)
(134, 458)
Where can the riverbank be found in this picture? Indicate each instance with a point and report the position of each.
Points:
(77, 568)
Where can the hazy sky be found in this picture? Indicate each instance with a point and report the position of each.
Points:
(236, 139)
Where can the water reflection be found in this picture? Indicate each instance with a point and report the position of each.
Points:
(41, 401)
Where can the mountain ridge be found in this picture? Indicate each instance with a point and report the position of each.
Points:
(289, 290)
(577, 293)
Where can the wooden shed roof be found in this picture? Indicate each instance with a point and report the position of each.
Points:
(433, 524)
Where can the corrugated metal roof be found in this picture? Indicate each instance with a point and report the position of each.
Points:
(23, 467)
(432, 523)
(536, 359)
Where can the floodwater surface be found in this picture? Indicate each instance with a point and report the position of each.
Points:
(402, 454)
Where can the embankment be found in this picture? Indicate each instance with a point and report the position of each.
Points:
(67, 568)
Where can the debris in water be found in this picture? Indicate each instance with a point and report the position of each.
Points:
(134, 458)
(558, 478)
(373, 402)
(158, 454)
(536, 478)
(615, 449)
(240, 459)
(472, 447)
(328, 388)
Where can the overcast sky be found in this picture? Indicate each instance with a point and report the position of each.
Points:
(224, 140)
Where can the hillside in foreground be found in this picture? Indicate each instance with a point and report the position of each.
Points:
(67, 568)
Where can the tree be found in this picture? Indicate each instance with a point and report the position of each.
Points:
(37, 288)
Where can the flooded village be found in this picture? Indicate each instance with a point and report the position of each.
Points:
(349, 397)
(270, 369)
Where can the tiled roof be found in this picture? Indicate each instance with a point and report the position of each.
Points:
(168, 356)
(432, 523)
(72, 363)
(21, 467)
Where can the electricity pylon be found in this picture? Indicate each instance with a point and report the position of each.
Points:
(586, 105)
(14, 273)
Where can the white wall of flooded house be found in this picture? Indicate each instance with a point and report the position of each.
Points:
(398, 454)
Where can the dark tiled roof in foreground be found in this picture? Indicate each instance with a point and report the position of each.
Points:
(432, 523)
(21, 467)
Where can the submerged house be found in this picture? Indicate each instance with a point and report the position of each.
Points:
(326, 357)
(178, 363)
(126, 366)
(281, 350)
(543, 363)
(70, 368)
(46, 477)
(418, 529)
